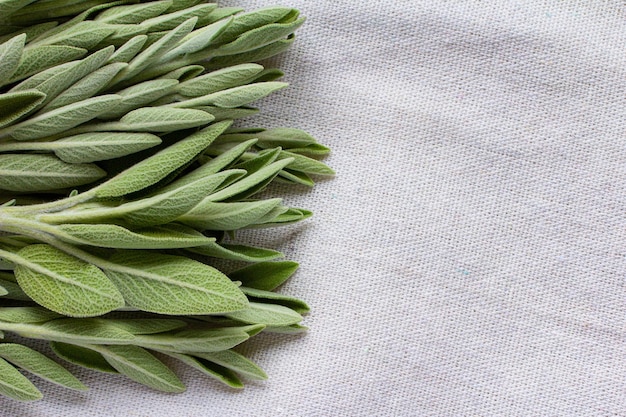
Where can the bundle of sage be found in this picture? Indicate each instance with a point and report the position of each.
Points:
(123, 181)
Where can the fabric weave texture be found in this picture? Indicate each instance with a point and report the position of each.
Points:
(469, 259)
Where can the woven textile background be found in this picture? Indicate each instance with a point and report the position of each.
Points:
(470, 257)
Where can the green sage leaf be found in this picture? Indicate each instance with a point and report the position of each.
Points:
(276, 298)
(140, 95)
(15, 105)
(39, 58)
(259, 37)
(81, 356)
(63, 118)
(211, 369)
(23, 173)
(265, 276)
(268, 314)
(219, 80)
(100, 146)
(196, 340)
(155, 168)
(26, 314)
(227, 216)
(15, 385)
(237, 252)
(65, 284)
(141, 366)
(169, 284)
(134, 13)
(235, 362)
(233, 97)
(129, 50)
(39, 365)
(10, 55)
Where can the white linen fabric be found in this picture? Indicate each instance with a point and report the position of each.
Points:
(469, 259)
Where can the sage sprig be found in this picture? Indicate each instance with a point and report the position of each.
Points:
(124, 183)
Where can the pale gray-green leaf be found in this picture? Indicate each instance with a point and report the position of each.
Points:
(197, 40)
(87, 87)
(65, 284)
(74, 330)
(268, 314)
(15, 105)
(253, 182)
(81, 356)
(228, 114)
(211, 369)
(173, 285)
(160, 119)
(254, 19)
(129, 50)
(81, 35)
(235, 362)
(114, 236)
(43, 57)
(135, 13)
(259, 37)
(228, 157)
(255, 55)
(100, 146)
(39, 365)
(293, 303)
(227, 216)
(141, 366)
(266, 275)
(172, 20)
(24, 172)
(156, 50)
(8, 7)
(26, 314)
(184, 73)
(233, 97)
(284, 137)
(237, 252)
(15, 385)
(153, 169)
(140, 95)
(219, 80)
(10, 54)
(147, 326)
(196, 340)
(63, 118)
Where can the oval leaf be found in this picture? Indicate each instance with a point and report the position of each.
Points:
(15, 385)
(65, 284)
(173, 285)
(100, 146)
(15, 105)
(23, 173)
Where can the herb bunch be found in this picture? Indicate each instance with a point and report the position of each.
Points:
(123, 181)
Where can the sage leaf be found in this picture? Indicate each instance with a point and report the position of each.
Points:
(235, 362)
(160, 165)
(56, 84)
(129, 50)
(169, 284)
(219, 80)
(270, 138)
(252, 20)
(81, 356)
(99, 146)
(15, 105)
(114, 236)
(265, 276)
(211, 369)
(259, 37)
(26, 314)
(173, 20)
(268, 314)
(276, 298)
(156, 50)
(291, 329)
(40, 77)
(134, 13)
(15, 385)
(250, 184)
(87, 87)
(197, 40)
(10, 54)
(255, 55)
(76, 330)
(228, 114)
(23, 173)
(147, 326)
(65, 284)
(196, 340)
(39, 58)
(139, 95)
(237, 252)
(258, 161)
(184, 73)
(227, 216)
(160, 119)
(225, 159)
(81, 35)
(296, 177)
(8, 7)
(63, 118)
(39, 365)
(233, 97)
(141, 366)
